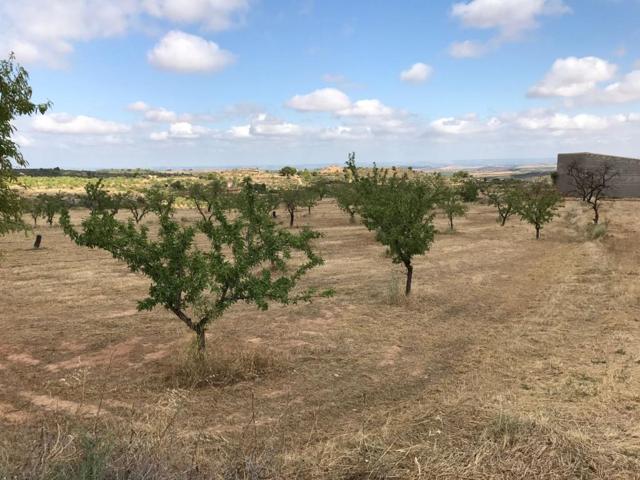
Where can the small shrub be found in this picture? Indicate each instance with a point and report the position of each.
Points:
(394, 294)
(594, 231)
(224, 366)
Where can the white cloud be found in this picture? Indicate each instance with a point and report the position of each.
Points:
(573, 77)
(417, 73)
(138, 106)
(264, 125)
(213, 14)
(322, 100)
(468, 124)
(180, 130)
(186, 53)
(159, 136)
(23, 140)
(80, 125)
(366, 108)
(509, 17)
(240, 131)
(468, 49)
(46, 31)
(161, 115)
(626, 90)
(562, 121)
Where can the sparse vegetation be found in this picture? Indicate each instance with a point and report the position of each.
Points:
(538, 204)
(592, 184)
(399, 210)
(504, 195)
(15, 101)
(248, 259)
(451, 203)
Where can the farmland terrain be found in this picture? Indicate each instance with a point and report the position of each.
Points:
(512, 358)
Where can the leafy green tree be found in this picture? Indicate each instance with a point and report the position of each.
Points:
(400, 212)
(467, 186)
(504, 195)
(288, 171)
(450, 201)
(248, 259)
(35, 208)
(538, 204)
(136, 204)
(15, 101)
(52, 205)
(310, 198)
(97, 198)
(207, 197)
(348, 199)
(161, 200)
(292, 198)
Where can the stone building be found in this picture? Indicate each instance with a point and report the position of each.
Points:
(626, 183)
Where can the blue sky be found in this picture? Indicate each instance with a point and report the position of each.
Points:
(218, 83)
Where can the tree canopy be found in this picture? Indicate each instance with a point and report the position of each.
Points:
(248, 258)
(400, 212)
(15, 101)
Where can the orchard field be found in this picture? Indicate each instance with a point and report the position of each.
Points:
(512, 358)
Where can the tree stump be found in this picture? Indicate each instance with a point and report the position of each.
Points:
(38, 241)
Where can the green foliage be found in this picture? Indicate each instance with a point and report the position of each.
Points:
(248, 258)
(98, 199)
(15, 101)
(136, 204)
(467, 186)
(160, 200)
(348, 199)
(292, 198)
(52, 205)
(400, 212)
(310, 198)
(538, 204)
(451, 203)
(35, 207)
(208, 197)
(288, 171)
(504, 195)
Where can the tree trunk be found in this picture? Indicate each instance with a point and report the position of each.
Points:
(291, 218)
(309, 210)
(537, 232)
(450, 222)
(200, 332)
(407, 289)
(504, 220)
(596, 213)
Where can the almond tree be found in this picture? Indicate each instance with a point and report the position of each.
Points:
(451, 203)
(348, 199)
(592, 184)
(504, 195)
(248, 258)
(400, 212)
(538, 204)
(15, 101)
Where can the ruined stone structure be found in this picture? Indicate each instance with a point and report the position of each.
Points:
(626, 184)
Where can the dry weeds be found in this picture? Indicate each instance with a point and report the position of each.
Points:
(513, 359)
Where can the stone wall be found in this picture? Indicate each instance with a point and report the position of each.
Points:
(626, 184)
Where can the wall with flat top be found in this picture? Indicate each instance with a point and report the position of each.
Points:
(626, 184)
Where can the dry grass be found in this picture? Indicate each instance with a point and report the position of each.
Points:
(514, 358)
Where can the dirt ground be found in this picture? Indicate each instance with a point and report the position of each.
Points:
(513, 358)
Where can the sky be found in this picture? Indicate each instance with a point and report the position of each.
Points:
(265, 83)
